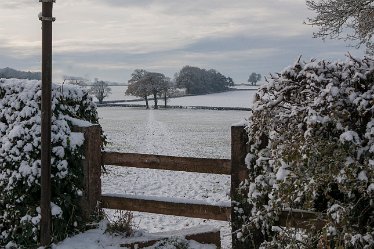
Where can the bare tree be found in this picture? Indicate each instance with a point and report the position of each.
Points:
(137, 86)
(254, 78)
(144, 83)
(335, 17)
(9, 73)
(156, 83)
(100, 90)
(166, 89)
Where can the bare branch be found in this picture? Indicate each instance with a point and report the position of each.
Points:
(343, 19)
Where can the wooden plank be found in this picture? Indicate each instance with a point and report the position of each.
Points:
(188, 164)
(239, 172)
(91, 169)
(202, 211)
(211, 236)
(302, 219)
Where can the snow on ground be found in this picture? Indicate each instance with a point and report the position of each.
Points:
(246, 87)
(98, 239)
(194, 133)
(178, 132)
(224, 99)
(118, 93)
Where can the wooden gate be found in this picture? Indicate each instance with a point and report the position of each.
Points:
(235, 167)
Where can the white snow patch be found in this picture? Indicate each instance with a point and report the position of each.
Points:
(370, 188)
(78, 122)
(98, 239)
(55, 210)
(76, 139)
(362, 176)
(350, 136)
(282, 172)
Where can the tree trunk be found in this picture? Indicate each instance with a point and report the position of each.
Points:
(146, 102)
(165, 99)
(155, 99)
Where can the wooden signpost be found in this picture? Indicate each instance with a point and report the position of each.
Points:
(45, 203)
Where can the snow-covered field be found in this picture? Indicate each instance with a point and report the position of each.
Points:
(224, 99)
(175, 132)
(194, 133)
(245, 87)
(118, 93)
(179, 132)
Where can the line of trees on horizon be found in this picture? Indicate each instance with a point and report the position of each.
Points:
(9, 73)
(201, 81)
(193, 79)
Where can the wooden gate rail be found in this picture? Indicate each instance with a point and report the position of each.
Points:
(187, 164)
(203, 211)
(287, 218)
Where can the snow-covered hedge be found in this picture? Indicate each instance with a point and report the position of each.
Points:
(20, 144)
(311, 138)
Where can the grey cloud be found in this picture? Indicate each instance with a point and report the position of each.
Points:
(125, 3)
(234, 56)
(17, 4)
(110, 38)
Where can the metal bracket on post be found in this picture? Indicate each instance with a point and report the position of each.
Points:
(43, 18)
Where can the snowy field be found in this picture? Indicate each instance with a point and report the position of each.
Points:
(118, 93)
(224, 99)
(194, 133)
(175, 132)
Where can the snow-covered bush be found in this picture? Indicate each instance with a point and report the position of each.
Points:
(20, 145)
(311, 143)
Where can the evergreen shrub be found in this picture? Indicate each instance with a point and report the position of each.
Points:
(311, 142)
(20, 145)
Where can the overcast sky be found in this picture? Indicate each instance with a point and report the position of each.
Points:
(108, 39)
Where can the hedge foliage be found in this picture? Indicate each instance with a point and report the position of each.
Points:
(311, 139)
(20, 145)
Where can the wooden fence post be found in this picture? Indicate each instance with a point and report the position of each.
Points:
(239, 173)
(91, 169)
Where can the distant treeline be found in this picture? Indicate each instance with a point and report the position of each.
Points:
(201, 81)
(9, 73)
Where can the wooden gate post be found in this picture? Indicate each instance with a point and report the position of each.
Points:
(91, 169)
(46, 114)
(239, 173)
